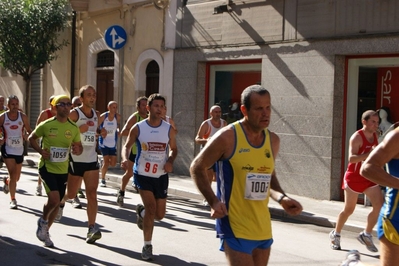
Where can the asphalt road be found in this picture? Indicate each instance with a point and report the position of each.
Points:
(185, 237)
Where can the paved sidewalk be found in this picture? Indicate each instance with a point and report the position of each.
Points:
(318, 212)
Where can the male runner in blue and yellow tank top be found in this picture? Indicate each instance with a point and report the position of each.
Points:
(245, 153)
(387, 152)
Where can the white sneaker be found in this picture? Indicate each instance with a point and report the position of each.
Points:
(352, 258)
(92, 235)
(335, 240)
(38, 190)
(367, 241)
(6, 189)
(47, 241)
(205, 203)
(76, 203)
(13, 204)
(59, 214)
(42, 229)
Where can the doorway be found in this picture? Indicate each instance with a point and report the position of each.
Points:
(152, 78)
(371, 85)
(105, 89)
(226, 83)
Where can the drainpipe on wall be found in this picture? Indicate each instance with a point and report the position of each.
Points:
(120, 96)
(73, 50)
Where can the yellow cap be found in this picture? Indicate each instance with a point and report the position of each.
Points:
(58, 98)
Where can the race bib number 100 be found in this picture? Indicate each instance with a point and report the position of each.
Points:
(257, 186)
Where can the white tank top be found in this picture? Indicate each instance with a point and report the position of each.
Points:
(152, 149)
(111, 127)
(211, 129)
(88, 139)
(13, 138)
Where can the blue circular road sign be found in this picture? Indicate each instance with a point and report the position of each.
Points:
(115, 37)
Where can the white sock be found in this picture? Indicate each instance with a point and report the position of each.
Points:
(142, 213)
(147, 243)
(367, 234)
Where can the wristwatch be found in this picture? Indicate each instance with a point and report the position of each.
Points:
(281, 198)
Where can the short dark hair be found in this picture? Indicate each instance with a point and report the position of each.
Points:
(155, 96)
(139, 99)
(248, 91)
(369, 113)
(84, 88)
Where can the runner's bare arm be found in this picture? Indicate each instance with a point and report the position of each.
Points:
(34, 144)
(168, 167)
(219, 147)
(133, 134)
(355, 143)
(199, 139)
(128, 125)
(373, 166)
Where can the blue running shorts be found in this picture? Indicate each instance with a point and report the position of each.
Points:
(244, 245)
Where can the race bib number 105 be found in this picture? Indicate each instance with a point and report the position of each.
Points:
(58, 154)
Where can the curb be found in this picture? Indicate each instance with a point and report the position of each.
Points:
(114, 176)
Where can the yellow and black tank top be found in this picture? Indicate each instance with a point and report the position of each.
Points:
(138, 119)
(243, 184)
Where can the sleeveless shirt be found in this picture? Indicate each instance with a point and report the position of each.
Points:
(243, 184)
(88, 138)
(152, 149)
(365, 148)
(390, 208)
(112, 133)
(211, 129)
(138, 119)
(13, 130)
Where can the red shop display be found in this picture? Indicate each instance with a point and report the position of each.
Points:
(388, 90)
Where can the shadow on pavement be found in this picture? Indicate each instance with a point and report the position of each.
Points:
(20, 253)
